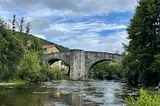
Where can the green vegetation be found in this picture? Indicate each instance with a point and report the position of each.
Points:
(17, 81)
(51, 73)
(11, 52)
(142, 61)
(21, 55)
(144, 100)
(27, 37)
(106, 70)
(29, 68)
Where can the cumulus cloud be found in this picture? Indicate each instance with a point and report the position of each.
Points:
(38, 25)
(79, 7)
(40, 36)
(85, 35)
(83, 27)
(110, 43)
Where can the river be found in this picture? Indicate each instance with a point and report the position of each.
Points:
(67, 93)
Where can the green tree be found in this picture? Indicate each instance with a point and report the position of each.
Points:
(106, 70)
(49, 73)
(13, 22)
(30, 66)
(98, 71)
(11, 51)
(21, 24)
(28, 28)
(115, 70)
(144, 43)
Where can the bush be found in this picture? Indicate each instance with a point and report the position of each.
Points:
(48, 73)
(30, 66)
(143, 100)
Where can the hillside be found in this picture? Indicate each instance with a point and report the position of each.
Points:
(42, 41)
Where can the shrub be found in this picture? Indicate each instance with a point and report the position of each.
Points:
(143, 100)
(30, 66)
(50, 73)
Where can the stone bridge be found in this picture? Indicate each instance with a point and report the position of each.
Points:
(80, 62)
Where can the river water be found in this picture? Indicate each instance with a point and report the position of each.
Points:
(67, 93)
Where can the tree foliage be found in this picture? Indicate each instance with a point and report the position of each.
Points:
(28, 28)
(11, 51)
(106, 70)
(51, 73)
(30, 66)
(144, 44)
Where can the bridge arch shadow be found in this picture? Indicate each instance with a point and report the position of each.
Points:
(60, 64)
(98, 62)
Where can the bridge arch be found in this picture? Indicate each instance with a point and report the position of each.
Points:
(64, 56)
(61, 64)
(99, 61)
(52, 61)
(53, 57)
(93, 58)
(104, 67)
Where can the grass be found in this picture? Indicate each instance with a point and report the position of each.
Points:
(14, 81)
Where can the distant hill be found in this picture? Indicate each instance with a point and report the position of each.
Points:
(42, 41)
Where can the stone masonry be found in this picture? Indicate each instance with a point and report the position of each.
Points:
(80, 62)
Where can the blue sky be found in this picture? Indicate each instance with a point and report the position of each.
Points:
(92, 25)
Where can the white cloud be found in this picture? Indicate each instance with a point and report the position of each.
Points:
(83, 27)
(110, 43)
(85, 35)
(5, 14)
(38, 25)
(43, 12)
(70, 7)
(40, 36)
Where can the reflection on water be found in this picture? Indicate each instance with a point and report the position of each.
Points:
(67, 93)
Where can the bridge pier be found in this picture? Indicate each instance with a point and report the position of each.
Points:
(77, 65)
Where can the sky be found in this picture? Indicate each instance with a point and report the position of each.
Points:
(91, 25)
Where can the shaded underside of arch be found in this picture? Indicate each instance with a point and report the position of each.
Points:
(52, 61)
(99, 61)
